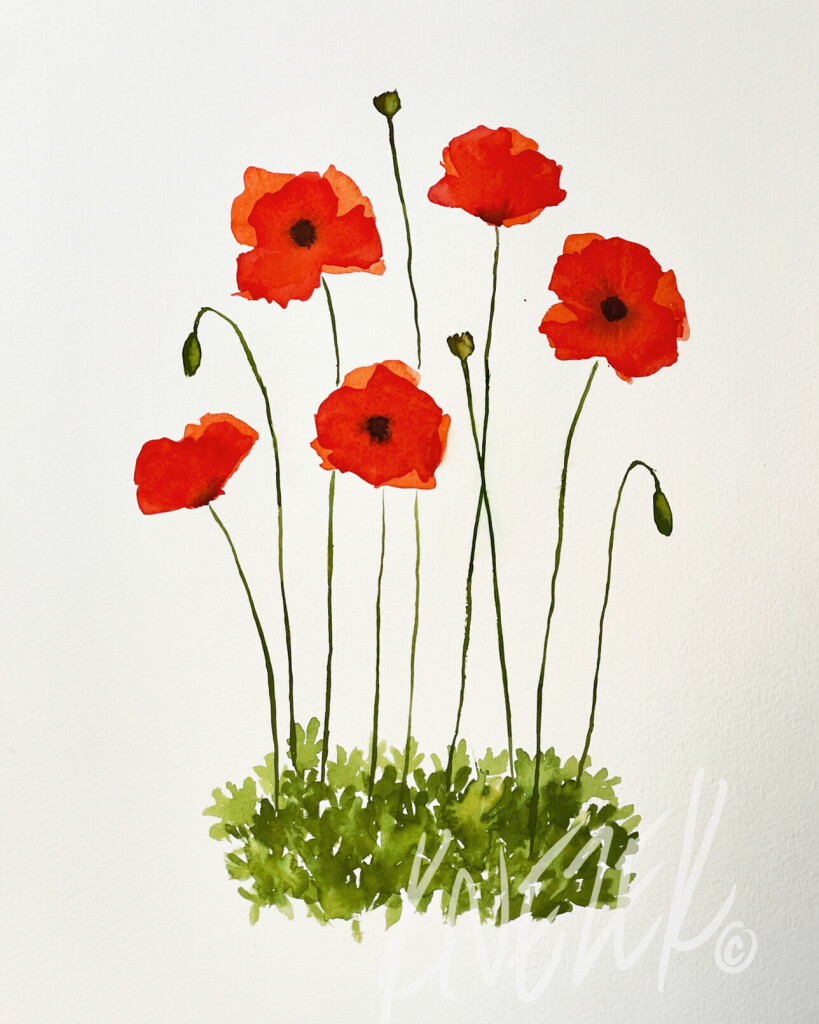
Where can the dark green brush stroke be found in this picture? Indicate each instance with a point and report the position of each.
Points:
(662, 520)
(561, 502)
(269, 415)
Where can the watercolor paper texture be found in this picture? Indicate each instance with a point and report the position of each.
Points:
(207, 222)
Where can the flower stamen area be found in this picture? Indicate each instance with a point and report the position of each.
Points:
(613, 308)
(378, 427)
(303, 233)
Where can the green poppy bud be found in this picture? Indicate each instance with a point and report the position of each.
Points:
(387, 104)
(191, 354)
(461, 345)
(662, 513)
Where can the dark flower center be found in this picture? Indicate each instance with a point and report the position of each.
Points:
(613, 308)
(303, 233)
(378, 427)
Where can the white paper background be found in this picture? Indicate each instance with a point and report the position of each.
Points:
(132, 678)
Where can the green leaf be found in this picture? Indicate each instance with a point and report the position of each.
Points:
(267, 775)
(394, 907)
(308, 746)
(494, 765)
(238, 808)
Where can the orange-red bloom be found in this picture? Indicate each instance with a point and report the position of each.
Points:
(300, 227)
(191, 472)
(382, 427)
(499, 176)
(616, 303)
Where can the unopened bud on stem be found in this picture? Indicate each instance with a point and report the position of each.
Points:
(388, 104)
(662, 513)
(461, 345)
(191, 354)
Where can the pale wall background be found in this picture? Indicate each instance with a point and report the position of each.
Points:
(132, 682)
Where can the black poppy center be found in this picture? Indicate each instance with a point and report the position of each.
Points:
(303, 233)
(613, 308)
(378, 427)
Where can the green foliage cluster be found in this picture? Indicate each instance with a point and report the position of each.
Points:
(343, 854)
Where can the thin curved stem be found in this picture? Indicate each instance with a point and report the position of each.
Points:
(285, 613)
(271, 688)
(414, 643)
(409, 239)
(374, 752)
(496, 590)
(467, 633)
(559, 547)
(483, 499)
(486, 372)
(335, 330)
(325, 746)
(325, 743)
(637, 462)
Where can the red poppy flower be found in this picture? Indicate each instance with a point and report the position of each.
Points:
(381, 427)
(191, 472)
(498, 176)
(616, 303)
(300, 227)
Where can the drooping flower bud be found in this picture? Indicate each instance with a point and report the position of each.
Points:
(662, 513)
(461, 345)
(388, 104)
(191, 354)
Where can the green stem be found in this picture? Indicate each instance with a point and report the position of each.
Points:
(271, 689)
(489, 343)
(467, 632)
(637, 462)
(331, 502)
(335, 330)
(325, 744)
(495, 588)
(560, 509)
(286, 615)
(483, 499)
(374, 752)
(409, 239)
(414, 641)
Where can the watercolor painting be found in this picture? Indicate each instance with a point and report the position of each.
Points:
(409, 586)
(347, 832)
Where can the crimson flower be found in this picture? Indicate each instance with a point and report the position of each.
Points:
(191, 472)
(499, 176)
(616, 303)
(381, 427)
(300, 227)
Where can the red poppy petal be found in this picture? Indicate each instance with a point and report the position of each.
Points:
(257, 183)
(196, 430)
(350, 242)
(349, 195)
(192, 472)
(667, 294)
(577, 243)
(277, 277)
